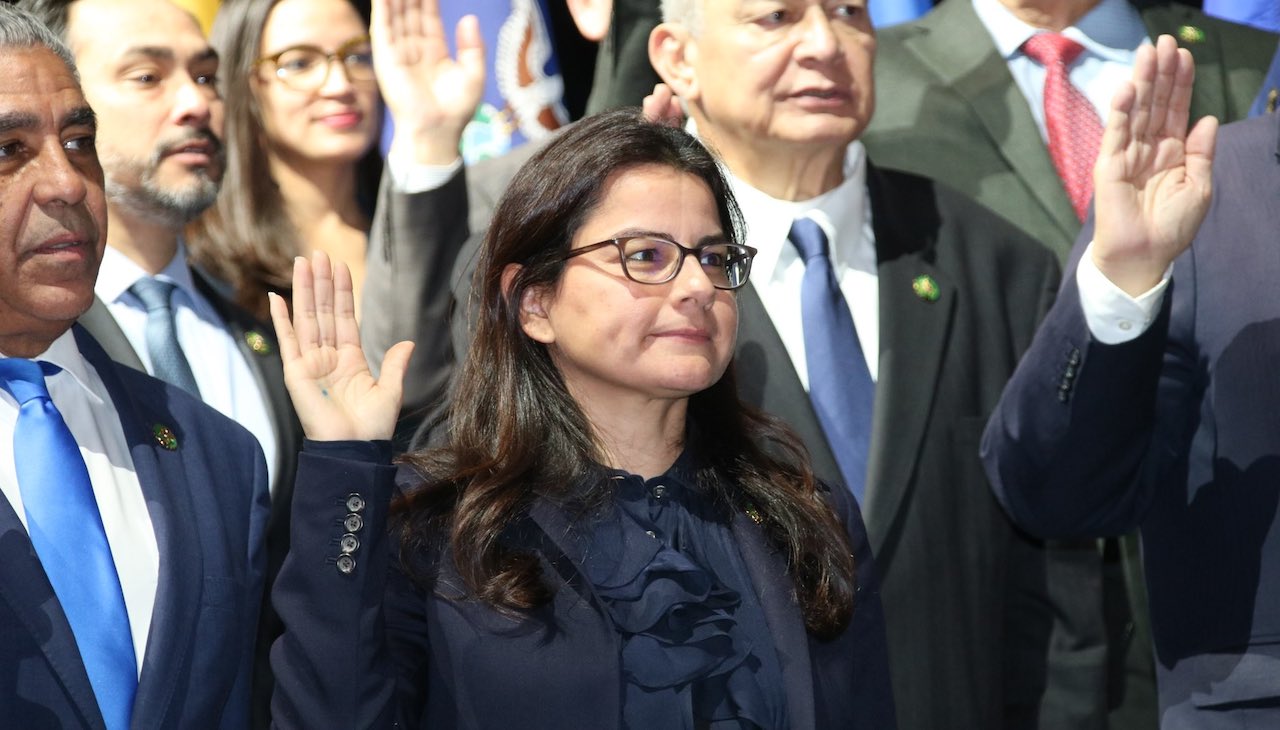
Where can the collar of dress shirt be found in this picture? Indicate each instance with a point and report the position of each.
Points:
(1112, 30)
(841, 212)
(118, 272)
(65, 353)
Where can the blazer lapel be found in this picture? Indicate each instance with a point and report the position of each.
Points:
(957, 47)
(773, 588)
(25, 587)
(767, 379)
(913, 335)
(163, 479)
(106, 331)
(1209, 95)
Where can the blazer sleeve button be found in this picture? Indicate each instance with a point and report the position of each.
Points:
(353, 522)
(349, 544)
(346, 564)
(355, 503)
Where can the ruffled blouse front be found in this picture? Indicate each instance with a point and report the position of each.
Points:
(696, 649)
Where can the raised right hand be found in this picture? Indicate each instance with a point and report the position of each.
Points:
(430, 95)
(333, 392)
(1152, 178)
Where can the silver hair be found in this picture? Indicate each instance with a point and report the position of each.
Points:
(21, 30)
(684, 12)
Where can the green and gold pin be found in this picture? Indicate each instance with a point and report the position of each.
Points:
(754, 514)
(257, 342)
(925, 287)
(1190, 34)
(165, 437)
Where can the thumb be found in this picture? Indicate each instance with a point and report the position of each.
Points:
(394, 366)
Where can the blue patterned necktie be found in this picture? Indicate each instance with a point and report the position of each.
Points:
(67, 534)
(167, 360)
(840, 384)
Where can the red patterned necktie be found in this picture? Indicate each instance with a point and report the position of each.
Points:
(1072, 122)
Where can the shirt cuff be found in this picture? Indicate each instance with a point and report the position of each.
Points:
(1113, 316)
(408, 177)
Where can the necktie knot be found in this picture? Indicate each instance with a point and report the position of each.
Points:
(1051, 48)
(24, 379)
(809, 239)
(154, 293)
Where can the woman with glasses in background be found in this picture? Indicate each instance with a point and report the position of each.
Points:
(302, 122)
(608, 538)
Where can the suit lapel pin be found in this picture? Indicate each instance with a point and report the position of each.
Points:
(257, 342)
(165, 437)
(1190, 34)
(754, 514)
(925, 287)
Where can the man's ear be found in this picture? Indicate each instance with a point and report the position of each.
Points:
(673, 52)
(592, 17)
(533, 311)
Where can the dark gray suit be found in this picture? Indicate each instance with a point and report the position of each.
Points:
(948, 109)
(965, 596)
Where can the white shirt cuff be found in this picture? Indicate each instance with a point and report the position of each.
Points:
(408, 177)
(1113, 316)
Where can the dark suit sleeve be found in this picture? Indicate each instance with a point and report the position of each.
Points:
(333, 664)
(259, 517)
(1072, 449)
(407, 296)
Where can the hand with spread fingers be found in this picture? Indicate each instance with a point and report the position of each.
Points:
(430, 95)
(333, 391)
(1152, 178)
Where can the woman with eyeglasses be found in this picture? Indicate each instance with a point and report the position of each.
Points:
(608, 538)
(302, 122)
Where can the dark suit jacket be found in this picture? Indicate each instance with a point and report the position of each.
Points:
(966, 610)
(369, 648)
(948, 109)
(1175, 433)
(265, 364)
(208, 504)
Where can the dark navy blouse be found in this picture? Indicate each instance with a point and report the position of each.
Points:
(696, 649)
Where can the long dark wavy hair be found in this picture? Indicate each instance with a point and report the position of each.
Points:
(517, 435)
(246, 239)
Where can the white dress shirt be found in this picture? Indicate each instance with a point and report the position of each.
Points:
(844, 214)
(220, 370)
(1113, 316)
(85, 405)
(1111, 34)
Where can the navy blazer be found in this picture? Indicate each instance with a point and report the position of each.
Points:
(1176, 433)
(208, 504)
(367, 648)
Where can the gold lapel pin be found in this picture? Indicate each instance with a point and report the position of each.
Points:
(754, 514)
(257, 342)
(1190, 34)
(926, 288)
(165, 437)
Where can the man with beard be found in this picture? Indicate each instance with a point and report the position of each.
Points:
(151, 78)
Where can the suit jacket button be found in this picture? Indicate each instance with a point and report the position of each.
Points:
(349, 543)
(353, 522)
(355, 503)
(346, 564)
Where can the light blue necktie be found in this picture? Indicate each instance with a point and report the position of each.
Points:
(66, 531)
(167, 360)
(840, 385)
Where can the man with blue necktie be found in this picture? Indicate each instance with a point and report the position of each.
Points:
(130, 591)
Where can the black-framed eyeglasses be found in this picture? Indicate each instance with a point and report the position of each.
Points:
(650, 260)
(306, 67)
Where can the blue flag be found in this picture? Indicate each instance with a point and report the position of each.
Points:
(523, 90)
(891, 12)
(1264, 14)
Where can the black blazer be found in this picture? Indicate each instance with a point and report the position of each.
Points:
(368, 648)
